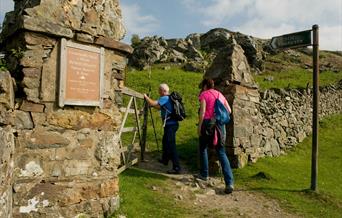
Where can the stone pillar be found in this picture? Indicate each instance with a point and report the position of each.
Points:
(65, 159)
(243, 138)
(231, 73)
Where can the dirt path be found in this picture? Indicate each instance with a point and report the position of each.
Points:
(209, 198)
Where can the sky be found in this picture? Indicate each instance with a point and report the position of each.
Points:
(260, 18)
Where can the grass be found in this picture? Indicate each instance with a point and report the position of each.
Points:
(287, 177)
(140, 200)
(295, 78)
(186, 83)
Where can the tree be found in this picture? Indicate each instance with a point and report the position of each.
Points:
(135, 40)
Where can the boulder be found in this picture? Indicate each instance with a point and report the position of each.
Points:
(179, 45)
(174, 56)
(194, 66)
(194, 39)
(253, 49)
(215, 39)
(148, 52)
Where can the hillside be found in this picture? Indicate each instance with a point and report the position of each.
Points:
(197, 51)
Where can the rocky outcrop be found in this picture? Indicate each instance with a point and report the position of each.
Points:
(215, 39)
(253, 49)
(196, 51)
(155, 49)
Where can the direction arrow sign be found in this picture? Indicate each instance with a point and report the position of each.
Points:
(292, 40)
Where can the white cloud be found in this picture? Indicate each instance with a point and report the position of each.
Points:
(257, 27)
(267, 18)
(136, 22)
(331, 37)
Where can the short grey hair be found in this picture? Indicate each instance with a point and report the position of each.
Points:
(164, 87)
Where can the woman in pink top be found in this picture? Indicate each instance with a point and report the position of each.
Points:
(206, 133)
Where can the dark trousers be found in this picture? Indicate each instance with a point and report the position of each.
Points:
(169, 146)
(206, 140)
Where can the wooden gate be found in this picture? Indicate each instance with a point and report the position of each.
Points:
(132, 108)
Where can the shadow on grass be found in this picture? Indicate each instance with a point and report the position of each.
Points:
(189, 154)
(279, 190)
(142, 173)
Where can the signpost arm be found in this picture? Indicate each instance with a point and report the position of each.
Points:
(314, 163)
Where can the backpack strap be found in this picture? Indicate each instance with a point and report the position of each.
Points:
(211, 93)
(167, 112)
(218, 98)
(214, 95)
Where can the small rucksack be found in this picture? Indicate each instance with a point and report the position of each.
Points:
(222, 115)
(178, 112)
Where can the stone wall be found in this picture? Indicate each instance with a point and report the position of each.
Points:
(288, 113)
(6, 171)
(269, 123)
(64, 160)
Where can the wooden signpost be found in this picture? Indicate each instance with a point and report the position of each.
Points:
(297, 40)
(292, 40)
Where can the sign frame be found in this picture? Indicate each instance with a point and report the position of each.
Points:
(284, 46)
(63, 74)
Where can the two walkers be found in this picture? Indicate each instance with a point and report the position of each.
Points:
(209, 133)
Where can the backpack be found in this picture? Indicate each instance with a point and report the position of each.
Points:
(178, 112)
(221, 114)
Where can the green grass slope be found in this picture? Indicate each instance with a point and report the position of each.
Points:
(185, 83)
(285, 178)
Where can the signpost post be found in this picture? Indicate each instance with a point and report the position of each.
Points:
(297, 40)
(314, 159)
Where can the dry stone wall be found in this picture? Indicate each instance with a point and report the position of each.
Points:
(58, 162)
(268, 123)
(6, 170)
(289, 113)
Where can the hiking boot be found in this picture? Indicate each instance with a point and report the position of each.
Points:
(229, 189)
(173, 171)
(199, 176)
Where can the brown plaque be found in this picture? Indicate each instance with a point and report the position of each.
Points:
(81, 75)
